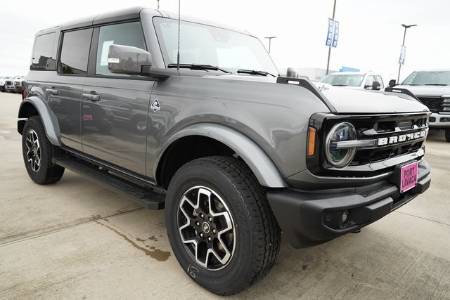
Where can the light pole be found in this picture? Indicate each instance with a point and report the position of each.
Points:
(401, 60)
(329, 48)
(158, 3)
(270, 38)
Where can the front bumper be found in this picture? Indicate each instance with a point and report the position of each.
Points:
(310, 217)
(439, 120)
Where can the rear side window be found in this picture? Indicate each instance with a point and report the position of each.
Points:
(380, 80)
(127, 34)
(75, 52)
(44, 53)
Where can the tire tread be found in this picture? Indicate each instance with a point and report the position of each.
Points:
(266, 227)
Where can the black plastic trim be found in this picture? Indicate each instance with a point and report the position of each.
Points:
(305, 83)
(303, 215)
(145, 193)
(400, 91)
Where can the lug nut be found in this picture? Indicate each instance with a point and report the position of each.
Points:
(214, 231)
(209, 239)
(202, 216)
(201, 234)
(210, 219)
(198, 223)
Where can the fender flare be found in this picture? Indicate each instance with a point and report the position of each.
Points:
(257, 160)
(48, 118)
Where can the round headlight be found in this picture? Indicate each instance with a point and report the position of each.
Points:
(341, 157)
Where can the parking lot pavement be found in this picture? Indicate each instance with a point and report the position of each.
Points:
(80, 240)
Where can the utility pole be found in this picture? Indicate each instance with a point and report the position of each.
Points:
(329, 48)
(270, 38)
(403, 51)
(158, 3)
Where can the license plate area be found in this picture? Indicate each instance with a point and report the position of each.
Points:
(408, 176)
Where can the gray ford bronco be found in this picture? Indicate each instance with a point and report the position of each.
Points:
(207, 129)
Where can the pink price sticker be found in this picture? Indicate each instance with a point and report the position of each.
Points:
(408, 177)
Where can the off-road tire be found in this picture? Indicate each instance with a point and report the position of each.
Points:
(447, 135)
(48, 173)
(257, 235)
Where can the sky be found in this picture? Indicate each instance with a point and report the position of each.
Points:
(370, 31)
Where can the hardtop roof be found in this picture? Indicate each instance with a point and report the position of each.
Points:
(127, 14)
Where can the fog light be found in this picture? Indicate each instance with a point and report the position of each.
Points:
(344, 216)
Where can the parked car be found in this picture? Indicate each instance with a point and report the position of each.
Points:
(2, 83)
(355, 80)
(9, 85)
(235, 153)
(432, 88)
(18, 84)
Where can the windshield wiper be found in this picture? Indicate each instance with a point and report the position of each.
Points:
(339, 85)
(254, 72)
(436, 84)
(198, 67)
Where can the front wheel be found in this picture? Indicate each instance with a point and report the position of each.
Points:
(38, 153)
(447, 135)
(220, 225)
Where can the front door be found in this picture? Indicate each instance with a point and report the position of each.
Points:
(115, 107)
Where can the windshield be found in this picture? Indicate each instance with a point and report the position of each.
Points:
(344, 80)
(428, 78)
(208, 45)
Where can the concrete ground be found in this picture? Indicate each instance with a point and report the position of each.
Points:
(79, 240)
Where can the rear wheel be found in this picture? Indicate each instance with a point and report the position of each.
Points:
(447, 135)
(220, 225)
(38, 153)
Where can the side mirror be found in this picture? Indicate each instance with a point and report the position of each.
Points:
(392, 83)
(376, 86)
(291, 73)
(129, 60)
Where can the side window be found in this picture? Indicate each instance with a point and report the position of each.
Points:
(44, 53)
(75, 52)
(369, 82)
(380, 80)
(127, 34)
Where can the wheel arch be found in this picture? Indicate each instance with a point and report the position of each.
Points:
(226, 140)
(34, 106)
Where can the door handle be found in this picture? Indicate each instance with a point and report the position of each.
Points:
(52, 91)
(91, 97)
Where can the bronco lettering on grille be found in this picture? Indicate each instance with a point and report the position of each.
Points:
(401, 138)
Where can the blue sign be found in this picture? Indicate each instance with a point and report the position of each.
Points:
(333, 33)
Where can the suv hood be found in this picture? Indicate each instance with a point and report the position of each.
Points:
(364, 101)
(426, 90)
(348, 100)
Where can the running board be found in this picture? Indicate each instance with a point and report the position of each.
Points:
(148, 198)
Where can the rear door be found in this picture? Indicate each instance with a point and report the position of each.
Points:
(115, 107)
(64, 94)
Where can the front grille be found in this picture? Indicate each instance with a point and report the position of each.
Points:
(434, 104)
(366, 156)
(383, 141)
(8, 83)
(384, 128)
